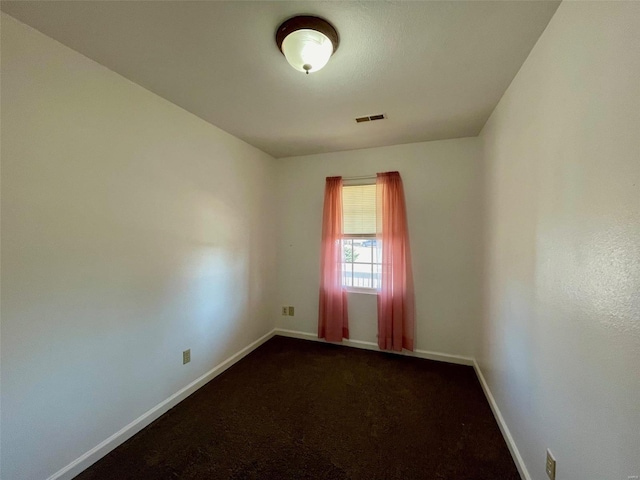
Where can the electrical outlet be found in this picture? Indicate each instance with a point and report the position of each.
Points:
(285, 310)
(186, 356)
(551, 465)
(291, 311)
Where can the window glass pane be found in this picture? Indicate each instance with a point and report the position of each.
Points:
(362, 275)
(376, 275)
(360, 262)
(362, 253)
(377, 252)
(347, 274)
(348, 253)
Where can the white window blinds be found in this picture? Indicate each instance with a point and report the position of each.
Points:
(359, 210)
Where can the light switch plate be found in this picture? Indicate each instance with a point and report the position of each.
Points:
(186, 356)
(551, 465)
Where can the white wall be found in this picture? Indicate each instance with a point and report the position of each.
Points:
(131, 230)
(443, 192)
(561, 341)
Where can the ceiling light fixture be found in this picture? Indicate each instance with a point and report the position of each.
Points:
(307, 42)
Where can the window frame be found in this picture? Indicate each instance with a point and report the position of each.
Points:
(371, 236)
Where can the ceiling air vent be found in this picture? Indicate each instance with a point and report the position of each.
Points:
(371, 118)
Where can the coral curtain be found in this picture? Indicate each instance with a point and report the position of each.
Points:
(396, 300)
(332, 317)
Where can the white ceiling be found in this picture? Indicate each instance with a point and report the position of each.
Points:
(437, 69)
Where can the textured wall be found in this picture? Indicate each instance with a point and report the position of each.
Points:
(561, 329)
(131, 230)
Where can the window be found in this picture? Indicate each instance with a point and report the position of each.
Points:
(360, 252)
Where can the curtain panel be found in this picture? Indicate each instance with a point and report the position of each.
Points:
(333, 324)
(396, 298)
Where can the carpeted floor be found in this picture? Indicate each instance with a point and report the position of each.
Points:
(296, 409)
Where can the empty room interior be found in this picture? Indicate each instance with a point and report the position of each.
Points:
(346, 240)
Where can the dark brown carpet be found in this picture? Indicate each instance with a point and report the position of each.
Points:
(296, 409)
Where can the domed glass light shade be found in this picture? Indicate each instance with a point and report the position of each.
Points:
(307, 50)
(307, 42)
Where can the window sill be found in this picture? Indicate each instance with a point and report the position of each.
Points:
(366, 291)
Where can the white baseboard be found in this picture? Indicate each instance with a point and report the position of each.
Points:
(89, 458)
(441, 357)
(515, 453)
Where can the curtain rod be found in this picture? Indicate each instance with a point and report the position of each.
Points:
(361, 177)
